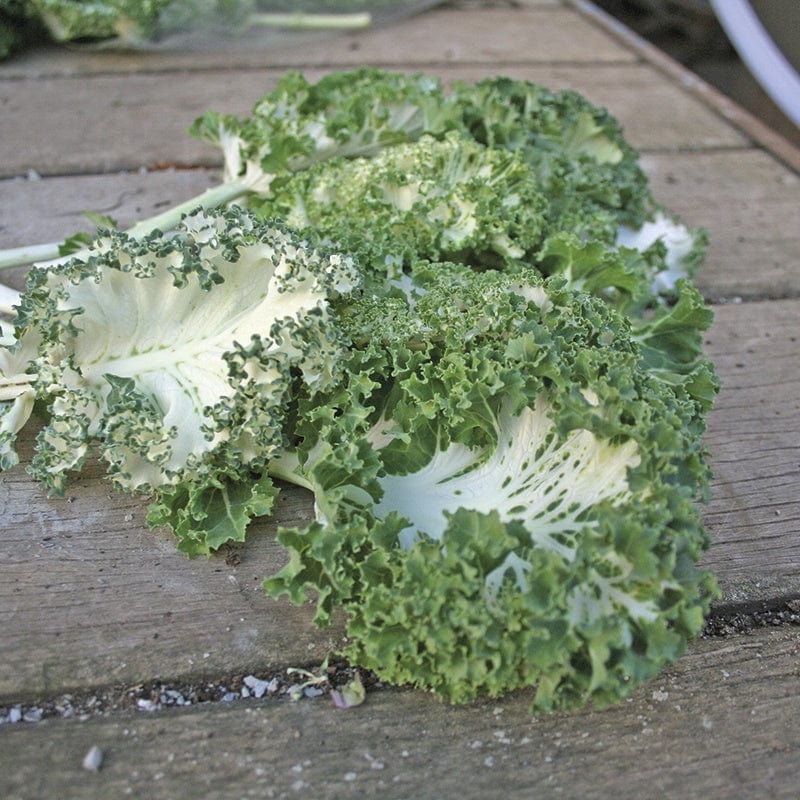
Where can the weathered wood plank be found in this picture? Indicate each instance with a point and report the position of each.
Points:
(749, 203)
(719, 724)
(754, 440)
(538, 32)
(745, 121)
(123, 123)
(143, 122)
(89, 595)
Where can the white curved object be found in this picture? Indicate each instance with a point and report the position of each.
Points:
(761, 55)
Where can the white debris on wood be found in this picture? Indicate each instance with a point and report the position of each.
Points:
(93, 759)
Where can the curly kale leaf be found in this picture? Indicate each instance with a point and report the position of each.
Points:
(175, 357)
(521, 508)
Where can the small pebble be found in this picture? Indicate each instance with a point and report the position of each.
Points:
(93, 759)
(257, 687)
(176, 697)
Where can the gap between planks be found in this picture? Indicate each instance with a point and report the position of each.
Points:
(725, 622)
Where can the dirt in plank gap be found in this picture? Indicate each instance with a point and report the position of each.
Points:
(296, 684)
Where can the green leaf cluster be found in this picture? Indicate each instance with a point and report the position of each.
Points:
(394, 169)
(434, 199)
(529, 517)
(473, 336)
(343, 115)
(175, 358)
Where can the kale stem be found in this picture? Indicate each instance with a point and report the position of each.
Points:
(20, 256)
(15, 386)
(300, 20)
(287, 469)
(215, 196)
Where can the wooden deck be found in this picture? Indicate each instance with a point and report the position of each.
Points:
(95, 605)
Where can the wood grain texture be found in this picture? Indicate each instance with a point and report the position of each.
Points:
(48, 209)
(754, 440)
(144, 123)
(719, 724)
(749, 204)
(91, 596)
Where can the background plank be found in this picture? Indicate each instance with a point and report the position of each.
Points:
(749, 203)
(144, 122)
(718, 724)
(528, 32)
(747, 122)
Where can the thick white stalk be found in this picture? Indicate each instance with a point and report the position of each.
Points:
(15, 386)
(301, 20)
(287, 468)
(20, 256)
(215, 196)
